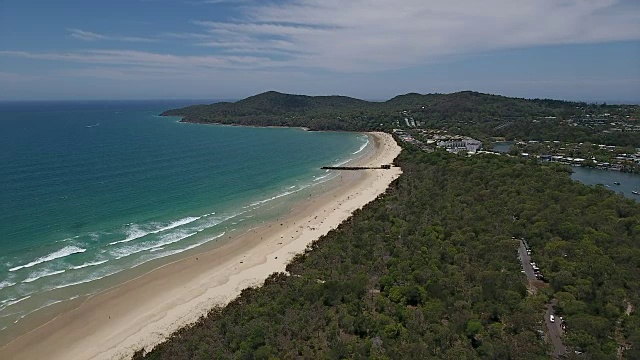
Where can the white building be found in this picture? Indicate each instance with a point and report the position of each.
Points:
(457, 145)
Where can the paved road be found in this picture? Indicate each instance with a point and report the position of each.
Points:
(554, 332)
(526, 262)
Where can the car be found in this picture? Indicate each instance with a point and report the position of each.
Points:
(552, 318)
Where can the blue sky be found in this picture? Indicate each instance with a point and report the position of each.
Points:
(374, 49)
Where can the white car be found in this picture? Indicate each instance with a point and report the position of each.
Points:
(552, 318)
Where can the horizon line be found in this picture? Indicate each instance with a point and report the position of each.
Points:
(233, 99)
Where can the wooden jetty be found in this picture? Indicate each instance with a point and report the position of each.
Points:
(356, 167)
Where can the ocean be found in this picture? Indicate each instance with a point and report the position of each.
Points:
(91, 191)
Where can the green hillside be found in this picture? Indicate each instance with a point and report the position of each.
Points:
(470, 113)
(345, 113)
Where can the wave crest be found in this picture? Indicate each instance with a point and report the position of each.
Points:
(362, 147)
(89, 264)
(40, 274)
(136, 232)
(65, 251)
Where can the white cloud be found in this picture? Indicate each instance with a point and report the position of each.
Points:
(369, 35)
(147, 59)
(85, 35)
(92, 36)
(174, 35)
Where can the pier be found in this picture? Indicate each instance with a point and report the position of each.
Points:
(356, 167)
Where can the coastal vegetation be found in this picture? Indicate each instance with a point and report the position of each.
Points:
(430, 270)
(482, 116)
(624, 159)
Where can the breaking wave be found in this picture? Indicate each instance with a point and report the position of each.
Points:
(40, 274)
(136, 231)
(6, 284)
(66, 251)
(89, 264)
(362, 147)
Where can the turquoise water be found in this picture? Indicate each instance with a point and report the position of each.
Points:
(91, 189)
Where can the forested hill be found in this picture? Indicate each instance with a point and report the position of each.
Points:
(429, 270)
(469, 113)
(345, 113)
(277, 109)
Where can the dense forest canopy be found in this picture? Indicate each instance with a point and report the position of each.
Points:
(470, 113)
(430, 270)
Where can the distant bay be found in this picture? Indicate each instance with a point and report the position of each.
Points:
(93, 189)
(617, 181)
(628, 183)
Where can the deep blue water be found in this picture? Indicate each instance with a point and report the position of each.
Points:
(89, 189)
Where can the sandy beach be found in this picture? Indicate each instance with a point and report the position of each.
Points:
(144, 311)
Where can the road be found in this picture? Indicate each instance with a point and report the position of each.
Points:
(525, 259)
(554, 332)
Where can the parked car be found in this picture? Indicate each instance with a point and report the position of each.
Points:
(552, 318)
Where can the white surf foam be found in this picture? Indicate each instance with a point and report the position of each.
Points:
(340, 163)
(193, 246)
(136, 232)
(319, 178)
(89, 264)
(161, 255)
(15, 301)
(68, 239)
(178, 251)
(174, 238)
(47, 304)
(277, 196)
(86, 280)
(166, 240)
(216, 221)
(6, 284)
(362, 147)
(41, 274)
(66, 251)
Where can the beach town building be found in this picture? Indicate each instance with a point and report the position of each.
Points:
(456, 145)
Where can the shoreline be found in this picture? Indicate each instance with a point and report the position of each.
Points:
(237, 213)
(182, 121)
(144, 311)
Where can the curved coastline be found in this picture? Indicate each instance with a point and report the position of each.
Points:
(148, 219)
(144, 311)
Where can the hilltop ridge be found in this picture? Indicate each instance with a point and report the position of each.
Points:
(336, 112)
(476, 114)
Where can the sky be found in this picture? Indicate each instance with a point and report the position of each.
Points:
(586, 50)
